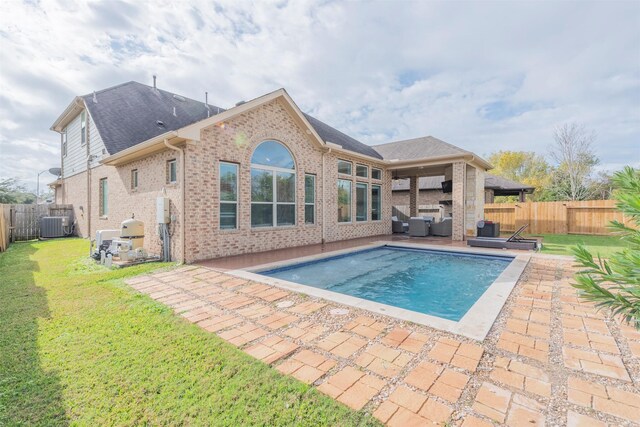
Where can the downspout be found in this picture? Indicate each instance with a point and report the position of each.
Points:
(182, 194)
(324, 193)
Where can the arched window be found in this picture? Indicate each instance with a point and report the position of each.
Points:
(273, 186)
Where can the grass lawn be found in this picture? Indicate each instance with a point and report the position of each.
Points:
(561, 244)
(79, 347)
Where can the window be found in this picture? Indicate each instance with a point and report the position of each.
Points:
(361, 201)
(64, 142)
(83, 127)
(104, 197)
(309, 199)
(344, 200)
(362, 171)
(228, 196)
(172, 171)
(134, 179)
(376, 173)
(376, 203)
(344, 167)
(273, 186)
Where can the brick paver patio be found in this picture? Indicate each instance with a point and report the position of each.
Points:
(550, 359)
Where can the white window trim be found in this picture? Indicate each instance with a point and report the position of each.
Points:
(371, 206)
(377, 169)
(366, 169)
(134, 172)
(228, 202)
(314, 199)
(274, 172)
(64, 142)
(350, 167)
(83, 128)
(168, 171)
(366, 202)
(351, 213)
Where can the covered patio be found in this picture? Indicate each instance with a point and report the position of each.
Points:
(464, 175)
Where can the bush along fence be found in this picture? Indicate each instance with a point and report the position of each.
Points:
(22, 222)
(568, 217)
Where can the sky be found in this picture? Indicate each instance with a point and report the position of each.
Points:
(482, 75)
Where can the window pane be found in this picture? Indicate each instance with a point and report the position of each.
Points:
(286, 214)
(344, 167)
(286, 183)
(309, 214)
(376, 173)
(228, 182)
(361, 202)
(344, 200)
(376, 202)
(228, 212)
(261, 186)
(362, 170)
(272, 153)
(261, 215)
(309, 189)
(104, 197)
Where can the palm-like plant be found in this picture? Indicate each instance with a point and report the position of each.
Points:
(615, 284)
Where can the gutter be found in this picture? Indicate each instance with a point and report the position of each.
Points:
(182, 194)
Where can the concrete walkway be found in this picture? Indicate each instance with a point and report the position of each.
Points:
(549, 359)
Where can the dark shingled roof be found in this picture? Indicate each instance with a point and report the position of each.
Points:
(127, 114)
(435, 183)
(329, 134)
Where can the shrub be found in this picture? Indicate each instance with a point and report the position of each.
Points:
(614, 284)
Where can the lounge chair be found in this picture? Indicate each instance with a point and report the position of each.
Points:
(398, 226)
(515, 241)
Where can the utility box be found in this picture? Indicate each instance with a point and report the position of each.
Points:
(162, 210)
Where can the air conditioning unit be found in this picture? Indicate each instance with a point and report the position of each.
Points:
(54, 226)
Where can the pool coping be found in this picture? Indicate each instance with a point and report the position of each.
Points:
(475, 324)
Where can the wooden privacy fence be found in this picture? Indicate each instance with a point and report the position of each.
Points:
(22, 222)
(577, 217)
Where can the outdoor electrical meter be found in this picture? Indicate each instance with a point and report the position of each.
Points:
(162, 210)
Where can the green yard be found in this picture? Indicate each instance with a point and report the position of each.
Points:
(560, 244)
(77, 346)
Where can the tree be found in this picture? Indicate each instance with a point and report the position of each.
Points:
(576, 160)
(615, 284)
(525, 167)
(12, 192)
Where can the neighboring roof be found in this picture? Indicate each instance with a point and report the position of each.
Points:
(490, 181)
(329, 134)
(418, 148)
(127, 114)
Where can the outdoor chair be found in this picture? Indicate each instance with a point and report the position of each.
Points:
(418, 227)
(443, 228)
(398, 226)
(515, 241)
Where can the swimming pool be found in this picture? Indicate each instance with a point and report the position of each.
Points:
(436, 283)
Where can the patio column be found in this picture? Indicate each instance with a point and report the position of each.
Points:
(413, 196)
(474, 199)
(457, 201)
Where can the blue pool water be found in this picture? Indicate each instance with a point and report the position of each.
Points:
(443, 284)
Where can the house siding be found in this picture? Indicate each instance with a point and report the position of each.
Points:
(75, 161)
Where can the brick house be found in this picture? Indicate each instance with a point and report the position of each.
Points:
(256, 177)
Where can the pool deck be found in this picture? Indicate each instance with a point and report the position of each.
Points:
(549, 359)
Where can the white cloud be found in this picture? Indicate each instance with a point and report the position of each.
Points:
(482, 75)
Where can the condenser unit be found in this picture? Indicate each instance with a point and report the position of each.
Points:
(54, 226)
